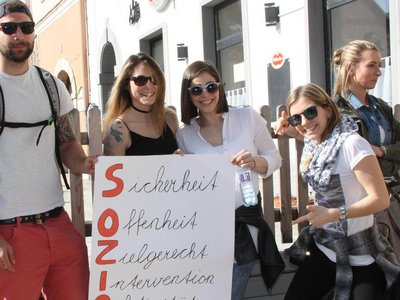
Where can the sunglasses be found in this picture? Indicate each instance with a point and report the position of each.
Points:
(211, 88)
(141, 80)
(310, 114)
(11, 27)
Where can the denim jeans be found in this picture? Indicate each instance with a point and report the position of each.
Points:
(240, 277)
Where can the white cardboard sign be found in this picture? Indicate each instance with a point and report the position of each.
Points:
(163, 228)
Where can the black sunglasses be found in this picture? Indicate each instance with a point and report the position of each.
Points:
(141, 80)
(211, 88)
(310, 114)
(11, 27)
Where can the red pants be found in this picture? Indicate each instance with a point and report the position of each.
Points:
(52, 256)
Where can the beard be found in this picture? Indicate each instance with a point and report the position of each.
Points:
(16, 56)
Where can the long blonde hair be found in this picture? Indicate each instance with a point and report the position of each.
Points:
(344, 59)
(120, 98)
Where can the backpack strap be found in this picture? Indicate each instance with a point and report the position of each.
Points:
(2, 111)
(54, 100)
(54, 105)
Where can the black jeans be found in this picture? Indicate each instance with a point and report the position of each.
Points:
(315, 277)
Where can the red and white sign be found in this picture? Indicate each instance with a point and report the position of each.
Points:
(163, 228)
(277, 60)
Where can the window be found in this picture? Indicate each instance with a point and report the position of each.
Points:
(157, 50)
(153, 45)
(366, 20)
(229, 47)
(107, 76)
(361, 19)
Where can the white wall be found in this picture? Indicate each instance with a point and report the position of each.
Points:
(181, 22)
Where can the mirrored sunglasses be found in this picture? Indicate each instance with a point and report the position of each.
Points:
(310, 114)
(211, 88)
(141, 80)
(11, 27)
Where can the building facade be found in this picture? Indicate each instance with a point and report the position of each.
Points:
(263, 49)
(61, 45)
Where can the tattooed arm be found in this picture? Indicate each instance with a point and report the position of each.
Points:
(117, 139)
(72, 154)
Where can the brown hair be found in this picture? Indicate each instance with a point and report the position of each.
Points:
(188, 109)
(317, 95)
(120, 98)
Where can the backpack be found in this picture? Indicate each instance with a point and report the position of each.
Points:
(50, 86)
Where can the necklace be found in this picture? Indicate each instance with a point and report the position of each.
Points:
(142, 111)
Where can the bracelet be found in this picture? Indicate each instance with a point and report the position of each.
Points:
(255, 164)
(342, 213)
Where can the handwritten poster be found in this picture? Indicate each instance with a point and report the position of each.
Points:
(163, 228)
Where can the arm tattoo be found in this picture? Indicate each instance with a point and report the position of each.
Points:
(66, 133)
(113, 134)
(116, 134)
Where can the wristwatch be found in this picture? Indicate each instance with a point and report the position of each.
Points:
(342, 213)
(383, 150)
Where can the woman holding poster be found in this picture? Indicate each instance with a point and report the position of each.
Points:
(211, 127)
(136, 122)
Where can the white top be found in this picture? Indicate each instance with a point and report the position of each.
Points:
(354, 149)
(243, 128)
(29, 174)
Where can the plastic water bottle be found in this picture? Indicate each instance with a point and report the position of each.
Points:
(247, 187)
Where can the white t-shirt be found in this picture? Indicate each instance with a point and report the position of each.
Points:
(354, 149)
(29, 174)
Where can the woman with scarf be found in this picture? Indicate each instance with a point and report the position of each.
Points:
(358, 69)
(342, 248)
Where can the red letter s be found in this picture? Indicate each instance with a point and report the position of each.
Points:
(118, 181)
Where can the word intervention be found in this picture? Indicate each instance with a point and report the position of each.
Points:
(147, 257)
(138, 221)
(186, 183)
(191, 278)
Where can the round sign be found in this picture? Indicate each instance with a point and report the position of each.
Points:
(277, 60)
(159, 5)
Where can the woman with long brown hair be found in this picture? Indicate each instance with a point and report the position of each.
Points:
(137, 121)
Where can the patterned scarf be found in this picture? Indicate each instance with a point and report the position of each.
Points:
(318, 160)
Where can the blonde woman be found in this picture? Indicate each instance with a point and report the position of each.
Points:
(358, 69)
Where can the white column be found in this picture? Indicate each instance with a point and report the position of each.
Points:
(394, 13)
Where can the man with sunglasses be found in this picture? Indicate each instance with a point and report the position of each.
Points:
(39, 246)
